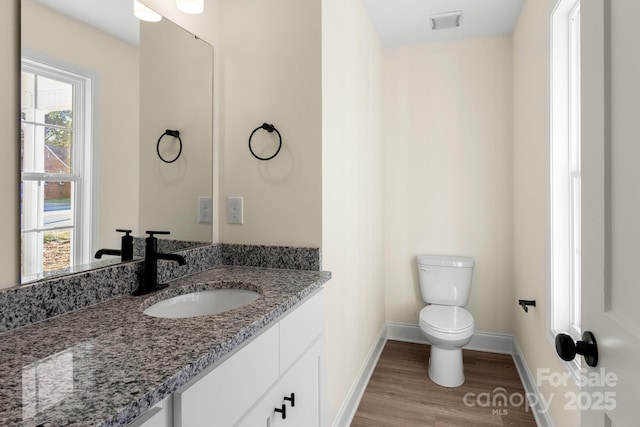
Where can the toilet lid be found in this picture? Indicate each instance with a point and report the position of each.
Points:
(446, 318)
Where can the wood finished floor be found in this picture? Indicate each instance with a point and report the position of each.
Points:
(400, 393)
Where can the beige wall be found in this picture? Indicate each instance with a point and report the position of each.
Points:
(531, 196)
(113, 64)
(169, 191)
(270, 71)
(351, 191)
(9, 163)
(447, 172)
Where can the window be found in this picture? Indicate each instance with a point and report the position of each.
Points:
(565, 175)
(55, 164)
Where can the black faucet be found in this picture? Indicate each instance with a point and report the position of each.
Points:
(126, 247)
(151, 257)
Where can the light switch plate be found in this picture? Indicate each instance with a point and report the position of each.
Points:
(234, 210)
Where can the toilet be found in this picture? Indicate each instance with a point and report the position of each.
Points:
(445, 284)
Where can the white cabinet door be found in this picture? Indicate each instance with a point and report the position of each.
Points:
(303, 381)
(222, 396)
(299, 329)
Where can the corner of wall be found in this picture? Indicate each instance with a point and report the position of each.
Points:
(10, 122)
(351, 198)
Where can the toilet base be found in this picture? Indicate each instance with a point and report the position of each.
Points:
(445, 367)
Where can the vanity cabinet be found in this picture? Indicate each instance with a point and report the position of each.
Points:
(245, 389)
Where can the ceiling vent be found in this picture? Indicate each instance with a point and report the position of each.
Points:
(443, 21)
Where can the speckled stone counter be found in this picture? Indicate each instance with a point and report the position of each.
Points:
(107, 364)
(97, 283)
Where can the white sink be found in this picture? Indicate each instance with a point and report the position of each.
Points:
(202, 303)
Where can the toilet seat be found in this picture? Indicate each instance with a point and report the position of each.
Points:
(446, 319)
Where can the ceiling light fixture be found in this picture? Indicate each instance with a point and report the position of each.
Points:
(190, 6)
(143, 13)
(443, 21)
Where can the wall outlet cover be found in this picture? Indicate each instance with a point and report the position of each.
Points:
(205, 210)
(234, 210)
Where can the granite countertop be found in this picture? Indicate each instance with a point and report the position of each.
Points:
(107, 364)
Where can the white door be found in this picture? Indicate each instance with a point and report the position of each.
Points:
(611, 209)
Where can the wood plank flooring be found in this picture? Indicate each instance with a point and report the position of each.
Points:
(400, 393)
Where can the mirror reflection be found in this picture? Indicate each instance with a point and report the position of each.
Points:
(99, 88)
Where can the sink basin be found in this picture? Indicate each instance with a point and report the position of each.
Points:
(202, 303)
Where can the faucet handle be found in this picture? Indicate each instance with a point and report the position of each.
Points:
(122, 230)
(151, 233)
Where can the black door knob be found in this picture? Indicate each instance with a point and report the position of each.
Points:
(567, 348)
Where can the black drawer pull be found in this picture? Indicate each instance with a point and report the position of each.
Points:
(283, 411)
(292, 399)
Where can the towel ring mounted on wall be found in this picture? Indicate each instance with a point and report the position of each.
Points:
(175, 134)
(269, 128)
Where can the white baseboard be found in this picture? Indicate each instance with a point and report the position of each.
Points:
(481, 341)
(405, 332)
(352, 400)
(530, 387)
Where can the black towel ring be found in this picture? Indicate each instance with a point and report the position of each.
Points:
(175, 134)
(269, 128)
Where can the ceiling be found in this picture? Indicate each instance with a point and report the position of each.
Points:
(407, 22)
(114, 17)
(398, 22)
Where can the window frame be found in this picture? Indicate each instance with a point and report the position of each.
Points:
(82, 158)
(564, 281)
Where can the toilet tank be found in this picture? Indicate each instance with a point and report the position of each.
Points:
(445, 280)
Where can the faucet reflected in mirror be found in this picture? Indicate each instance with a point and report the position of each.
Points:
(140, 95)
(126, 247)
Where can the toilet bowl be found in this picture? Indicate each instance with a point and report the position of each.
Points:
(445, 284)
(448, 329)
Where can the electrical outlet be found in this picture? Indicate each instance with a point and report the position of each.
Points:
(234, 210)
(205, 210)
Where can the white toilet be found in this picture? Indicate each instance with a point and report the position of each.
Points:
(445, 283)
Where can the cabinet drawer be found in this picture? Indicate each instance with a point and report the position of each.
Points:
(300, 329)
(223, 395)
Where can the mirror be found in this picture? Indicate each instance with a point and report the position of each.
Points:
(99, 91)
